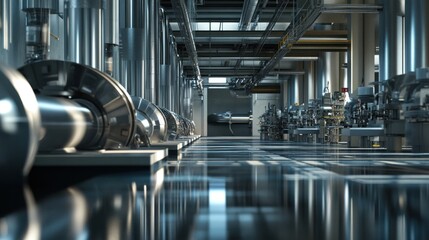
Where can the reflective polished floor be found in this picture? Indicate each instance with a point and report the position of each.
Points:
(240, 188)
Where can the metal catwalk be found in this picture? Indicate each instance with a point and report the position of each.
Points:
(240, 188)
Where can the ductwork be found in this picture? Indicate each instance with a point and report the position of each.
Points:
(84, 25)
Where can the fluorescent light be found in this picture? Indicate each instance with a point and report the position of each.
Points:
(217, 80)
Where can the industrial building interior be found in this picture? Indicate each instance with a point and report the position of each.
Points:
(214, 119)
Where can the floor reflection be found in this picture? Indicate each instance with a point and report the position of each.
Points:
(262, 191)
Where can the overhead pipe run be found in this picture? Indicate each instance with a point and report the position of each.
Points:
(186, 31)
(304, 17)
(249, 8)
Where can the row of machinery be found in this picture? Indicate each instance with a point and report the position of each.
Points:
(50, 105)
(395, 117)
(318, 121)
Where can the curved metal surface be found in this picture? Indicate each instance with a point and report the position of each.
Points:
(19, 122)
(76, 123)
(144, 128)
(79, 82)
(173, 123)
(155, 114)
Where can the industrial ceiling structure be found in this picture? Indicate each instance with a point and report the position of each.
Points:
(248, 40)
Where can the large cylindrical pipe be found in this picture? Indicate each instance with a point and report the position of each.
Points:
(132, 13)
(173, 75)
(85, 32)
(417, 35)
(390, 40)
(12, 33)
(152, 50)
(327, 73)
(163, 91)
(309, 78)
(68, 123)
(111, 47)
(19, 125)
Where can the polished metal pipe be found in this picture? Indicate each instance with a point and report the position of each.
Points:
(67, 123)
(132, 18)
(152, 50)
(390, 40)
(173, 76)
(328, 69)
(417, 35)
(163, 91)
(111, 47)
(12, 33)
(84, 25)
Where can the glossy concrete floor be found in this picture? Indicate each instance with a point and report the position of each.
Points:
(240, 188)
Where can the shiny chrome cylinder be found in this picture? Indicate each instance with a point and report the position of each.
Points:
(163, 91)
(112, 22)
(133, 39)
(111, 47)
(327, 73)
(19, 124)
(68, 123)
(152, 50)
(173, 76)
(85, 32)
(12, 33)
(309, 78)
(416, 35)
(390, 40)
